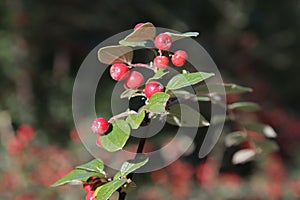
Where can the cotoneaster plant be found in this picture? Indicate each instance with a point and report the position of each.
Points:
(150, 98)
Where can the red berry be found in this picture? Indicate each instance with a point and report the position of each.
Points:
(152, 88)
(100, 125)
(87, 187)
(134, 80)
(138, 25)
(118, 71)
(163, 41)
(161, 61)
(89, 196)
(179, 57)
(25, 133)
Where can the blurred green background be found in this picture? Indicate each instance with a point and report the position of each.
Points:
(42, 44)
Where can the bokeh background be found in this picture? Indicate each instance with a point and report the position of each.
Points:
(42, 44)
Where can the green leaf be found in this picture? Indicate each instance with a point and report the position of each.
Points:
(139, 36)
(243, 156)
(201, 99)
(112, 54)
(128, 93)
(131, 165)
(157, 103)
(235, 138)
(135, 120)
(177, 36)
(117, 138)
(245, 106)
(133, 44)
(103, 192)
(180, 93)
(95, 165)
(184, 115)
(76, 176)
(267, 146)
(264, 129)
(183, 80)
(158, 75)
(222, 89)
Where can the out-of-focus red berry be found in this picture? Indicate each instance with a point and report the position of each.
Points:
(89, 196)
(14, 146)
(25, 133)
(138, 25)
(134, 80)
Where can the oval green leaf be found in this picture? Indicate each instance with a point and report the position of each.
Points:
(178, 36)
(132, 165)
(244, 106)
(105, 191)
(76, 176)
(95, 165)
(117, 138)
(112, 54)
(139, 36)
(185, 116)
(157, 103)
(135, 120)
(235, 138)
(183, 80)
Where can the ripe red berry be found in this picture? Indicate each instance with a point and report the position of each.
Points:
(87, 187)
(89, 196)
(179, 57)
(152, 88)
(163, 41)
(100, 125)
(118, 71)
(161, 61)
(138, 26)
(134, 80)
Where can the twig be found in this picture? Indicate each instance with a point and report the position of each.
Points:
(121, 115)
(140, 149)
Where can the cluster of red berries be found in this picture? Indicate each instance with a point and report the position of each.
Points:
(163, 42)
(134, 79)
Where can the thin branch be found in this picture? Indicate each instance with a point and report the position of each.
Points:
(121, 115)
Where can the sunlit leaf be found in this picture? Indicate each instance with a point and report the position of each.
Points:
(177, 36)
(76, 176)
(95, 165)
(183, 80)
(243, 156)
(244, 106)
(264, 129)
(158, 75)
(128, 93)
(132, 165)
(117, 138)
(235, 138)
(105, 191)
(135, 120)
(157, 103)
